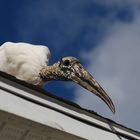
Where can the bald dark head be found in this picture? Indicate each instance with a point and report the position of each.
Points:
(70, 69)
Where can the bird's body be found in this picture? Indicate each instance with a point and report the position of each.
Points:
(23, 60)
(29, 63)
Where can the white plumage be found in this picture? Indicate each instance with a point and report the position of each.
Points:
(23, 60)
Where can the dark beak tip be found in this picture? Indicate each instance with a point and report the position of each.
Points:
(112, 108)
(113, 111)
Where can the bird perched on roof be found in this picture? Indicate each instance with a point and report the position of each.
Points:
(30, 63)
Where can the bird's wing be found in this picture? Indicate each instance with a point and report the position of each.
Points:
(23, 60)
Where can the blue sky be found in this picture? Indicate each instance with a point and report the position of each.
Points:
(89, 30)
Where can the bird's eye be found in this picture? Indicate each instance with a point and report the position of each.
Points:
(66, 62)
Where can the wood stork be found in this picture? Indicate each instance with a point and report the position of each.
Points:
(30, 63)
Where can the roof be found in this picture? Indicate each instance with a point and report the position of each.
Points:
(72, 112)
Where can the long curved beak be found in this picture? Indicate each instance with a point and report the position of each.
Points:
(86, 80)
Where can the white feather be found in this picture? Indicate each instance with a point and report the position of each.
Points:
(23, 60)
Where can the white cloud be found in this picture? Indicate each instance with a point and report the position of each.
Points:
(116, 65)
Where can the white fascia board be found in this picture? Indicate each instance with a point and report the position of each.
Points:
(49, 117)
(54, 105)
(124, 138)
(127, 133)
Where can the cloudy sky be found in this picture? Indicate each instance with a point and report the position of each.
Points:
(103, 34)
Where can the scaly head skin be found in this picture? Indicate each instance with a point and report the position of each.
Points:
(70, 69)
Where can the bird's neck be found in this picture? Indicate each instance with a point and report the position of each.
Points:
(48, 73)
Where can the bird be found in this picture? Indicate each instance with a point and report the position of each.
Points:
(30, 63)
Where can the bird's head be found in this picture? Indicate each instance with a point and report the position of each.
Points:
(70, 69)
